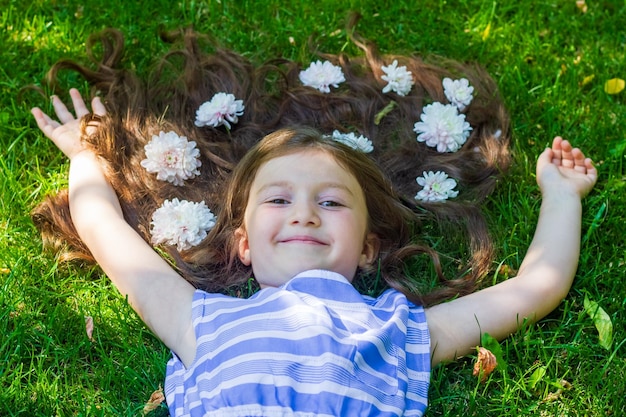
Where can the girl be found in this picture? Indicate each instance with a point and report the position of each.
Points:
(306, 216)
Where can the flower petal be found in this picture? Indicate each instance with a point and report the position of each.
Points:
(173, 158)
(398, 79)
(322, 75)
(442, 127)
(222, 109)
(360, 143)
(181, 223)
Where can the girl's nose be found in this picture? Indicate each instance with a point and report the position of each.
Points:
(304, 213)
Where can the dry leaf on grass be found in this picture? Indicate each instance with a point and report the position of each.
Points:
(553, 396)
(485, 364)
(89, 327)
(155, 401)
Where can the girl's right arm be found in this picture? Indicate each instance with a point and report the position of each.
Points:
(160, 296)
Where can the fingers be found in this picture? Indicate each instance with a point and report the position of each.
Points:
(44, 122)
(562, 150)
(79, 104)
(563, 154)
(98, 106)
(567, 155)
(579, 161)
(556, 150)
(64, 115)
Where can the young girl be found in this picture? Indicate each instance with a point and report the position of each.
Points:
(306, 215)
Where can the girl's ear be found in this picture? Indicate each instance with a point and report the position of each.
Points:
(243, 246)
(370, 250)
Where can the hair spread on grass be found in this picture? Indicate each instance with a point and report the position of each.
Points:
(275, 100)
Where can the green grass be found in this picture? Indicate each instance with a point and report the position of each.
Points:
(540, 52)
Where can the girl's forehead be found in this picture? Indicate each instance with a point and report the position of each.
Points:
(309, 165)
(304, 159)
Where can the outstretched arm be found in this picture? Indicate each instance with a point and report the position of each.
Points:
(161, 297)
(564, 176)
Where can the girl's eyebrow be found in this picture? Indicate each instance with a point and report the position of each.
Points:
(289, 185)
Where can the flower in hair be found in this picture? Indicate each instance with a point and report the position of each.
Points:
(398, 79)
(436, 187)
(360, 143)
(181, 223)
(458, 92)
(173, 158)
(322, 75)
(223, 109)
(442, 127)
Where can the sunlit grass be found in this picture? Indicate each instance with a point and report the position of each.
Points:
(551, 61)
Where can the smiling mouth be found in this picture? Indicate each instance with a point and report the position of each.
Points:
(306, 240)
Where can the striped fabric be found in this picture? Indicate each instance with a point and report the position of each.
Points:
(313, 347)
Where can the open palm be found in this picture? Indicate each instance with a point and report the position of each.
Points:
(66, 133)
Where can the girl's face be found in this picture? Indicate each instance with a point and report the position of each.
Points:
(304, 212)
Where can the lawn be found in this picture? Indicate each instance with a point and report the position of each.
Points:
(551, 59)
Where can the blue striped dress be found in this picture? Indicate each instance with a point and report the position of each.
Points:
(312, 347)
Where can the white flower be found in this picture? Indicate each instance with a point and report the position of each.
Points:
(360, 143)
(443, 127)
(181, 223)
(437, 187)
(398, 78)
(322, 75)
(172, 158)
(458, 92)
(222, 109)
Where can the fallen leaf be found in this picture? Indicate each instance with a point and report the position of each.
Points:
(485, 364)
(89, 327)
(5, 271)
(553, 396)
(587, 79)
(565, 384)
(155, 401)
(490, 343)
(614, 86)
(602, 321)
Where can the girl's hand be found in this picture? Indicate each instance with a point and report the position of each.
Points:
(565, 169)
(66, 134)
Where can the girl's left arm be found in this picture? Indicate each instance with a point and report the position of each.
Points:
(547, 271)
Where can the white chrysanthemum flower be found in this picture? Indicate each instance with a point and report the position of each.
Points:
(172, 158)
(223, 109)
(322, 75)
(398, 78)
(436, 187)
(360, 143)
(442, 127)
(181, 223)
(458, 92)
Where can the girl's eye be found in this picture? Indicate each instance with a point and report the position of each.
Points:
(277, 201)
(330, 203)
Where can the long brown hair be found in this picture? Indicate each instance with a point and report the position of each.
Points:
(274, 98)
